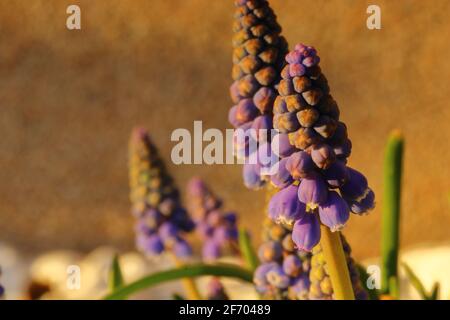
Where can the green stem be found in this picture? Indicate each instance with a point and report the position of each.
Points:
(391, 213)
(337, 264)
(220, 270)
(115, 274)
(246, 249)
(190, 287)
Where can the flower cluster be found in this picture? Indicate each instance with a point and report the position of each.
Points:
(161, 220)
(284, 271)
(217, 229)
(258, 58)
(316, 184)
(321, 288)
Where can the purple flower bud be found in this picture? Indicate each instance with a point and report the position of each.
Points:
(150, 244)
(278, 278)
(270, 251)
(292, 265)
(211, 250)
(300, 165)
(300, 47)
(214, 218)
(168, 231)
(311, 61)
(196, 187)
(232, 117)
(182, 249)
(294, 57)
(246, 111)
(309, 51)
(234, 92)
(286, 122)
(356, 185)
(241, 140)
(285, 72)
(263, 99)
(363, 204)
(334, 212)
(230, 218)
(299, 290)
(205, 230)
(282, 178)
(252, 178)
(296, 70)
(142, 227)
(343, 150)
(323, 156)
(281, 145)
(167, 206)
(336, 175)
(260, 274)
(266, 158)
(285, 206)
(181, 219)
(222, 234)
(262, 126)
(152, 218)
(306, 232)
(313, 191)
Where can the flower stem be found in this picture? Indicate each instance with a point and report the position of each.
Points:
(189, 284)
(337, 264)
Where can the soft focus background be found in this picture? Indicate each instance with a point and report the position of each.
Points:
(68, 100)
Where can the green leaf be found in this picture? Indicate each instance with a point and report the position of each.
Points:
(393, 166)
(195, 270)
(115, 274)
(434, 295)
(247, 250)
(415, 282)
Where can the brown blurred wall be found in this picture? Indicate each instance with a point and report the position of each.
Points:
(68, 100)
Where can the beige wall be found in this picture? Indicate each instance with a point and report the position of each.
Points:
(68, 100)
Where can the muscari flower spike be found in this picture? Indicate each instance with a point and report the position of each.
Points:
(258, 58)
(284, 271)
(288, 273)
(161, 220)
(313, 146)
(217, 229)
(321, 288)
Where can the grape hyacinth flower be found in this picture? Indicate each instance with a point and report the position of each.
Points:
(258, 58)
(315, 148)
(161, 220)
(217, 229)
(284, 271)
(321, 288)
